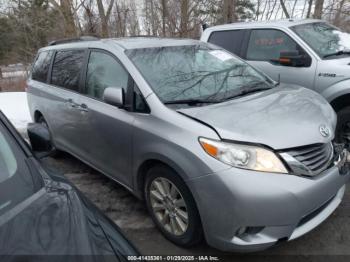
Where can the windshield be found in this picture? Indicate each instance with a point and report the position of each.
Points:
(324, 39)
(196, 73)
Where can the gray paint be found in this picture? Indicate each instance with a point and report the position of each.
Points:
(117, 142)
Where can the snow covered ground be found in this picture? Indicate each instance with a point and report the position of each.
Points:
(14, 105)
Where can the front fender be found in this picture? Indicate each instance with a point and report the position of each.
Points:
(338, 89)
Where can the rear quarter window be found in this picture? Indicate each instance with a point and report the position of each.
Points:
(41, 66)
(230, 40)
(67, 69)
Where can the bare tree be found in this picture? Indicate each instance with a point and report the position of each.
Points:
(104, 16)
(318, 9)
(284, 8)
(308, 14)
(228, 11)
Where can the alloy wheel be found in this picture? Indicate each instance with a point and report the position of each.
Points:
(169, 206)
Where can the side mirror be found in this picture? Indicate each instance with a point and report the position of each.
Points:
(295, 59)
(39, 137)
(114, 96)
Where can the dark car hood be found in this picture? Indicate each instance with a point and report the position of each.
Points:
(58, 220)
(282, 117)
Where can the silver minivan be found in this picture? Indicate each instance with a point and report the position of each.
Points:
(216, 149)
(308, 52)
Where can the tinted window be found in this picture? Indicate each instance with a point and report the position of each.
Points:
(67, 68)
(41, 66)
(267, 45)
(16, 182)
(229, 40)
(104, 71)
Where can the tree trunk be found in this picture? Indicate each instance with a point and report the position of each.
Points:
(184, 18)
(164, 16)
(104, 17)
(228, 11)
(66, 9)
(285, 11)
(318, 9)
(308, 14)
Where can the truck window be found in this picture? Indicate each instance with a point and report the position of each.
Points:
(230, 40)
(267, 44)
(41, 66)
(66, 69)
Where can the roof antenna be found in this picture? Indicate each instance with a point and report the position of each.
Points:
(278, 80)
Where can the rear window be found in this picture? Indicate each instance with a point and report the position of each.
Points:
(66, 69)
(229, 40)
(41, 66)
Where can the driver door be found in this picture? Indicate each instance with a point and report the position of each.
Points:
(263, 50)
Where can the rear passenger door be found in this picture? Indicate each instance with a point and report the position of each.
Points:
(63, 112)
(231, 40)
(106, 130)
(263, 49)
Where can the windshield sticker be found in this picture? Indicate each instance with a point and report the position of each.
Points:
(223, 56)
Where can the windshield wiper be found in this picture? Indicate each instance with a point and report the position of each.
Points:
(245, 92)
(341, 52)
(190, 102)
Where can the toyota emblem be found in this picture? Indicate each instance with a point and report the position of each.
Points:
(325, 132)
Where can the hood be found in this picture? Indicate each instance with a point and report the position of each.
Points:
(58, 220)
(282, 117)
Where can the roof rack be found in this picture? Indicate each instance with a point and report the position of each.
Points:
(72, 40)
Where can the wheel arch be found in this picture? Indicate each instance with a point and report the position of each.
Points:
(340, 102)
(150, 162)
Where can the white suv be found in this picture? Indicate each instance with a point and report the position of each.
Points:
(309, 53)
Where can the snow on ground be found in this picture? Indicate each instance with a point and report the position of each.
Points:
(14, 74)
(15, 106)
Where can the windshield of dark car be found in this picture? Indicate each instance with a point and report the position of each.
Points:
(323, 38)
(16, 183)
(196, 72)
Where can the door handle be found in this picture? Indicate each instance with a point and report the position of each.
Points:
(84, 108)
(71, 103)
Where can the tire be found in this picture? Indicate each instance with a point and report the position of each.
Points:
(342, 133)
(176, 210)
(55, 152)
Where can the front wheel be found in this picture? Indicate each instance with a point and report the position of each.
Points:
(343, 126)
(172, 207)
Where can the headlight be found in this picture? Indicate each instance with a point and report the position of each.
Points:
(243, 156)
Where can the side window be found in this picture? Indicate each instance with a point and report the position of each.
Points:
(267, 44)
(104, 71)
(230, 40)
(66, 69)
(140, 104)
(41, 66)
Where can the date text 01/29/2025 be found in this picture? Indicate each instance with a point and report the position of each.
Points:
(173, 258)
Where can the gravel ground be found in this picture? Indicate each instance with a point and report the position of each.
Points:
(332, 238)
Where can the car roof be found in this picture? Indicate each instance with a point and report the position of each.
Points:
(256, 24)
(127, 43)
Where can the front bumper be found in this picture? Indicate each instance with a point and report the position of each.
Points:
(284, 207)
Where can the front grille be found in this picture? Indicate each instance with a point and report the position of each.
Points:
(315, 158)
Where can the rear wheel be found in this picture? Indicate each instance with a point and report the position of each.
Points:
(172, 206)
(343, 126)
(55, 152)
